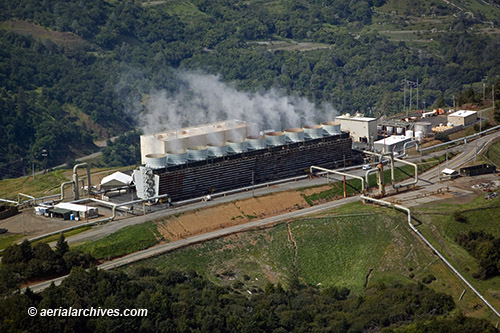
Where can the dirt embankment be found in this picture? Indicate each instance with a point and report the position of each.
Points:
(232, 213)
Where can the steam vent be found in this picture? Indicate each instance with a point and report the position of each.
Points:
(195, 161)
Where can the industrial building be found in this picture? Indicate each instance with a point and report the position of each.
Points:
(462, 117)
(361, 129)
(201, 165)
(394, 143)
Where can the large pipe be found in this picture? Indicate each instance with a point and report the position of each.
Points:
(62, 188)
(415, 181)
(342, 174)
(407, 143)
(27, 196)
(407, 210)
(75, 179)
(381, 157)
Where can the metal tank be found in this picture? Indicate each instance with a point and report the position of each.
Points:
(294, 135)
(197, 153)
(217, 150)
(236, 147)
(331, 127)
(256, 142)
(312, 132)
(389, 129)
(423, 127)
(409, 134)
(176, 157)
(419, 135)
(399, 130)
(156, 161)
(274, 139)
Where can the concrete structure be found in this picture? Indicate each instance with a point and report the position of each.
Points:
(361, 129)
(391, 143)
(179, 140)
(462, 117)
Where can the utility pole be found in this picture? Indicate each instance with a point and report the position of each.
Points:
(404, 96)
(493, 95)
(417, 94)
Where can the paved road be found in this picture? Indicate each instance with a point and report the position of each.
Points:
(159, 249)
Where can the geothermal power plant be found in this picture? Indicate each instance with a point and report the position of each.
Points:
(201, 160)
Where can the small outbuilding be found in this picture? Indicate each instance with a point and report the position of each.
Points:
(80, 211)
(115, 180)
(462, 117)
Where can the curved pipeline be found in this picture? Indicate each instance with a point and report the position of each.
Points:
(75, 179)
(342, 174)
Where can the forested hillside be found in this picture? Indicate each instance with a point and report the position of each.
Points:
(75, 71)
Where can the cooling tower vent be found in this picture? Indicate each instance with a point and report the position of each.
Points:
(197, 153)
(236, 147)
(156, 161)
(312, 132)
(331, 128)
(256, 142)
(274, 139)
(217, 150)
(176, 157)
(294, 135)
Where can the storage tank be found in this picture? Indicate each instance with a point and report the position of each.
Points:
(423, 127)
(217, 150)
(256, 142)
(380, 128)
(236, 147)
(156, 161)
(331, 128)
(389, 129)
(197, 153)
(294, 135)
(409, 134)
(274, 139)
(399, 130)
(313, 132)
(419, 135)
(176, 157)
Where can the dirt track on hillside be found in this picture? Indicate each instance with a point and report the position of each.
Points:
(233, 213)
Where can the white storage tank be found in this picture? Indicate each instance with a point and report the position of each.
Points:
(236, 147)
(409, 134)
(399, 130)
(389, 129)
(274, 139)
(156, 161)
(419, 135)
(256, 142)
(294, 135)
(176, 157)
(312, 132)
(197, 153)
(331, 127)
(217, 150)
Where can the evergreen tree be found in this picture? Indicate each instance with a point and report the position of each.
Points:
(62, 246)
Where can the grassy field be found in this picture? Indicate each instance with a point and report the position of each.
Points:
(6, 240)
(493, 154)
(440, 228)
(341, 247)
(40, 186)
(127, 240)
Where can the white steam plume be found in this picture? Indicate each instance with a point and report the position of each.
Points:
(204, 99)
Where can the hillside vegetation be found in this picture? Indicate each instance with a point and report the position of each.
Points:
(72, 72)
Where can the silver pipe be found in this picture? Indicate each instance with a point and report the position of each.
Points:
(406, 143)
(342, 174)
(9, 201)
(75, 179)
(415, 181)
(27, 196)
(407, 210)
(62, 188)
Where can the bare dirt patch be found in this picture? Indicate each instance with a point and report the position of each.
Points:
(230, 214)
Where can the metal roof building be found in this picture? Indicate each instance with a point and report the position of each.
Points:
(462, 117)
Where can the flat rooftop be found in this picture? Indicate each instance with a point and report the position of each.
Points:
(462, 113)
(186, 132)
(355, 118)
(393, 139)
